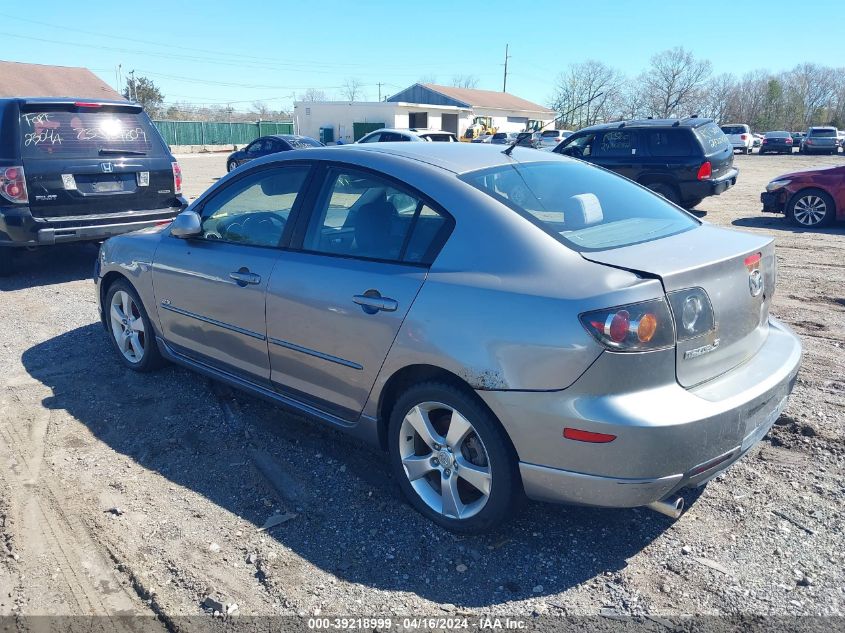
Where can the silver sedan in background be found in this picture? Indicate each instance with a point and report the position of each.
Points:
(501, 324)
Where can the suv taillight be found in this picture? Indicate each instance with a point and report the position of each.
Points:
(13, 184)
(705, 171)
(744, 137)
(177, 178)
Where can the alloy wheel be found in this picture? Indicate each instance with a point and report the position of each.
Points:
(445, 460)
(127, 326)
(809, 210)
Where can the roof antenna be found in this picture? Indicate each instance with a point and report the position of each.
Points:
(524, 135)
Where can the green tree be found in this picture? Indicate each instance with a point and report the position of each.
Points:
(145, 92)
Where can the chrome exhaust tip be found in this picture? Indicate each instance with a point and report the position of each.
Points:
(671, 508)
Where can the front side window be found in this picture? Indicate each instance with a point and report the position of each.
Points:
(372, 138)
(256, 147)
(581, 205)
(579, 146)
(363, 215)
(254, 210)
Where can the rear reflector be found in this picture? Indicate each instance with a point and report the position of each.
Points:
(753, 260)
(587, 436)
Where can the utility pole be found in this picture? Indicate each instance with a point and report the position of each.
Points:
(379, 91)
(505, 82)
(132, 85)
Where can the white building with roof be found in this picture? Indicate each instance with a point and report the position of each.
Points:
(421, 106)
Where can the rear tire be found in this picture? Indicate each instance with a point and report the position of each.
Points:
(666, 190)
(7, 264)
(231, 165)
(130, 329)
(811, 208)
(452, 459)
(691, 204)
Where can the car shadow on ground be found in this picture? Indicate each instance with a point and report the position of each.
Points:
(779, 223)
(238, 452)
(51, 265)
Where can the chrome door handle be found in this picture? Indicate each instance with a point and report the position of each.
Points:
(243, 278)
(375, 303)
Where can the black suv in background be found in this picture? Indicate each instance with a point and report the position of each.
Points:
(74, 170)
(684, 160)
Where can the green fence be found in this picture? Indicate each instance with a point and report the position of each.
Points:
(212, 133)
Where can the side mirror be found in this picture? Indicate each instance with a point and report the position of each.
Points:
(186, 224)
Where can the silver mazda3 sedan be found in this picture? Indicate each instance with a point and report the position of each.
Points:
(501, 325)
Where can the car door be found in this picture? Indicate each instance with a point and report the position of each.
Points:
(210, 290)
(338, 297)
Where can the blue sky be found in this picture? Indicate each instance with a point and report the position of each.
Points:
(238, 52)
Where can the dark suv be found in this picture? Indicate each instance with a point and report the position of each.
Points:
(74, 170)
(684, 160)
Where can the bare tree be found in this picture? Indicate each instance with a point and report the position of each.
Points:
(261, 109)
(717, 97)
(351, 89)
(312, 94)
(465, 81)
(674, 82)
(590, 81)
(431, 78)
(811, 89)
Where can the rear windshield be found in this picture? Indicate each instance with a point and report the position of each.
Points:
(734, 129)
(778, 134)
(823, 131)
(712, 138)
(500, 135)
(583, 206)
(439, 138)
(549, 133)
(84, 134)
(302, 143)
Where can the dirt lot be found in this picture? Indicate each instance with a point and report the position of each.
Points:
(126, 493)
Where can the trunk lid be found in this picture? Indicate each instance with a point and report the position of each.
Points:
(713, 259)
(92, 159)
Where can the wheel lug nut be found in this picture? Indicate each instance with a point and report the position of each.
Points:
(436, 447)
(447, 472)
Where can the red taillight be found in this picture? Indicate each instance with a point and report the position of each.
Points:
(13, 185)
(177, 178)
(808, 142)
(789, 141)
(86, 104)
(634, 327)
(616, 326)
(705, 171)
(580, 435)
(744, 137)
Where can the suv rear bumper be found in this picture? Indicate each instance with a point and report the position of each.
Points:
(18, 227)
(709, 187)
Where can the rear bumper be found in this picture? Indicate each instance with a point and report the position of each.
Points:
(710, 186)
(18, 227)
(667, 437)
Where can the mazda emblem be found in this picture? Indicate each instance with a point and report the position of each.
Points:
(755, 282)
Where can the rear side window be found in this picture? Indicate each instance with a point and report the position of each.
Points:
(362, 215)
(85, 134)
(616, 143)
(669, 142)
(712, 138)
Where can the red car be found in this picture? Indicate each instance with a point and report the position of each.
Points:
(810, 198)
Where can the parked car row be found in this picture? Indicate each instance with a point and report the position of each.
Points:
(817, 140)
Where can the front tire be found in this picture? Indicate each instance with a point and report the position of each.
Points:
(811, 208)
(231, 165)
(130, 329)
(452, 458)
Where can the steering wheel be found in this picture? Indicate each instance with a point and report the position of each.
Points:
(573, 150)
(258, 227)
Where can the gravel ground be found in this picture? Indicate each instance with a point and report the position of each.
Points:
(126, 493)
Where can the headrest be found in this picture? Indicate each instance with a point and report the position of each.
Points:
(583, 210)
